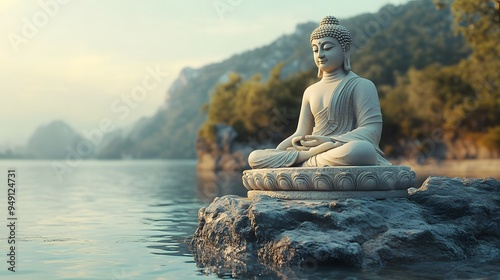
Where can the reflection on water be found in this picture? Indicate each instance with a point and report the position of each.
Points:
(470, 269)
(216, 184)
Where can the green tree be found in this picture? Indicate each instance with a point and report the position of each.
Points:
(221, 108)
(247, 105)
(462, 100)
(479, 22)
(423, 101)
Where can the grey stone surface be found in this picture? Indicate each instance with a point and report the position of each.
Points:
(327, 195)
(445, 219)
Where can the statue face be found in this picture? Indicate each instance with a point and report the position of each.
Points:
(328, 54)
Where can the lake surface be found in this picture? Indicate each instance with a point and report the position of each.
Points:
(106, 220)
(134, 220)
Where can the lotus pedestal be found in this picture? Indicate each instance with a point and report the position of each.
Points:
(326, 183)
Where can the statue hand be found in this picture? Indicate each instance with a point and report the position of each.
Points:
(297, 143)
(315, 140)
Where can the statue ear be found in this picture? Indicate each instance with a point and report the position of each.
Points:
(347, 58)
(320, 73)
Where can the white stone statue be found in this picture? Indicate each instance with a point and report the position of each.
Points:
(340, 122)
(334, 152)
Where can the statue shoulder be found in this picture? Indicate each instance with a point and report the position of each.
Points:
(365, 86)
(313, 86)
(311, 89)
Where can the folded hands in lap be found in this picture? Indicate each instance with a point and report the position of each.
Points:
(313, 143)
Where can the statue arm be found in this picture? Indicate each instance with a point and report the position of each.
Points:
(366, 107)
(285, 144)
(305, 124)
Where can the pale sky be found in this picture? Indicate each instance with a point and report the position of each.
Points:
(74, 59)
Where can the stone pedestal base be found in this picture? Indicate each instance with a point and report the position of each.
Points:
(330, 179)
(328, 195)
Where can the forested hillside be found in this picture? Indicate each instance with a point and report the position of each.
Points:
(387, 43)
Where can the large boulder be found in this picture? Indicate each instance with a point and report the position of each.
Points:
(445, 219)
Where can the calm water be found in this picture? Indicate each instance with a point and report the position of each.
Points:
(107, 220)
(133, 220)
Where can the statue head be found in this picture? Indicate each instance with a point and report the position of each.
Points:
(330, 28)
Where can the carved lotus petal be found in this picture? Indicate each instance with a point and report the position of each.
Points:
(301, 181)
(258, 181)
(322, 182)
(388, 180)
(344, 181)
(285, 181)
(270, 182)
(251, 181)
(246, 181)
(367, 181)
(413, 178)
(404, 178)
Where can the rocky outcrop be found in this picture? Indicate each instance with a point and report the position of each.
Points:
(225, 153)
(445, 219)
(221, 154)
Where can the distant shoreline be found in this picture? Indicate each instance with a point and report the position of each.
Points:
(472, 168)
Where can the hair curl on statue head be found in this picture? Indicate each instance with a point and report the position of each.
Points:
(330, 27)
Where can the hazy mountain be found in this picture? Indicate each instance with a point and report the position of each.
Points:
(390, 41)
(52, 141)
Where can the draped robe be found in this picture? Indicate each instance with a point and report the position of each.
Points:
(352, 117)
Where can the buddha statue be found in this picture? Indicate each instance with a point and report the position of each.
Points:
(340, 121)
